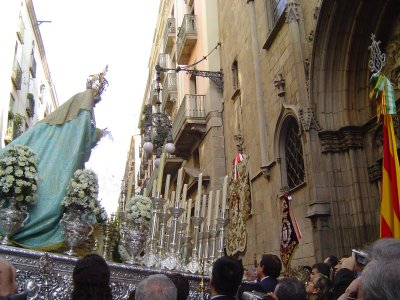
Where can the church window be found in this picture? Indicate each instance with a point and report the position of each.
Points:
(275, 14)
(294, 160)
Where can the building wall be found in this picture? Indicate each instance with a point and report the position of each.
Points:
(325, 68)
(40, 86)
(207, 154)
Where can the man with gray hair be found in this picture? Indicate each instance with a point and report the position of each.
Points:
(380, 280)
(156, 287)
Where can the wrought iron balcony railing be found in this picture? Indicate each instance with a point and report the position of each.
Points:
(169, 88)
(16, 75)
(169, 34)
(187, 38)
(191, 110)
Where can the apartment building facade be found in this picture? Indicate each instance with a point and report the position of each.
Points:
(304, 65)
(27, 93)
(191, 101)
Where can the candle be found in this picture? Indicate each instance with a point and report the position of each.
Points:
(216, 213)
(178, 187)
(188, 214)
(160, 173)
(184, 194)
(166, 191)
(203, 206)
(197, 203)
(154, 189)
(224, 192)
(203, 211)
(171, 201)
(145, 192)
(209, 206)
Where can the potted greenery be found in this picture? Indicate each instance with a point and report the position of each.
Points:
(18, 187)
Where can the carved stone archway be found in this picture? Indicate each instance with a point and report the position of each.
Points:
(339, 93)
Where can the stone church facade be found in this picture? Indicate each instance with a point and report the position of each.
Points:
(296, 85)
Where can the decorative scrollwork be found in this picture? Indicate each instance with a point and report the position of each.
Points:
(378, 59)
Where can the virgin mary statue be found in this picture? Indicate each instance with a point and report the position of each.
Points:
(63, 142)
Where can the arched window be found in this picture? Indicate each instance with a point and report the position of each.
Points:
(293, 154)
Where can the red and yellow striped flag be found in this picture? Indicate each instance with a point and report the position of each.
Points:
(390, 198)
(381, 90)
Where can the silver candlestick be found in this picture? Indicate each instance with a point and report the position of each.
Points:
(213, 238)
(186, 246)
(182, 228)
(222, 221)
(150, 257)
(206, 244)
(163, 217)
(171, 260)
(194, 264)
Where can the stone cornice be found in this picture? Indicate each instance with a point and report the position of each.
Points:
(344, 139)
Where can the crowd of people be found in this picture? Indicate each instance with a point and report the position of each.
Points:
(371, 274)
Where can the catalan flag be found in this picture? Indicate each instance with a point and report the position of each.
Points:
(381, 90)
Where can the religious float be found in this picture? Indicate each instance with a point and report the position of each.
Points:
(50, 214)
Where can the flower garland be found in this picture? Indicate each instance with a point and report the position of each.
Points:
(19, 174)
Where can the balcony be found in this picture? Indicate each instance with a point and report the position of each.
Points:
(189, 124)
(169, 92)
(32, 67)
(163, 62)
(30, 105)
(21, 30)
(169, 35)
(187, 38)
(16, 76)
(153, 92)
(171, 166)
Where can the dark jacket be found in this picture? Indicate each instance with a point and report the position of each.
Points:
(266, 285)
(342, 280)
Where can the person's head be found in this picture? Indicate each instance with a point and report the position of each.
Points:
(339, 264)
(91, 279)
(331, 260)
(226, 276)
(290, 289)
(380, 280)
(319, 287)
(156, 287)
(8, 284)
(182, 285)
(322, 268)
(387, 248)
(270, 265)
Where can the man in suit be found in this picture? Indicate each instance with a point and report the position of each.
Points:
(226, 277)
(268, 271)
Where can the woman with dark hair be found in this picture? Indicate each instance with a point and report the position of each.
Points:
(91, 279)
(319, 288)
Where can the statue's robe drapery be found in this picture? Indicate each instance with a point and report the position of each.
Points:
(63, 143)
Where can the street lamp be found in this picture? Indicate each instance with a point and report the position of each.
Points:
(157, 129)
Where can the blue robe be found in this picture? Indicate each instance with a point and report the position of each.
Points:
(62, 147)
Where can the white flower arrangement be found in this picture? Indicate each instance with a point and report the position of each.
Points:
(138, 209)
(82, 195)
(19, 175)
